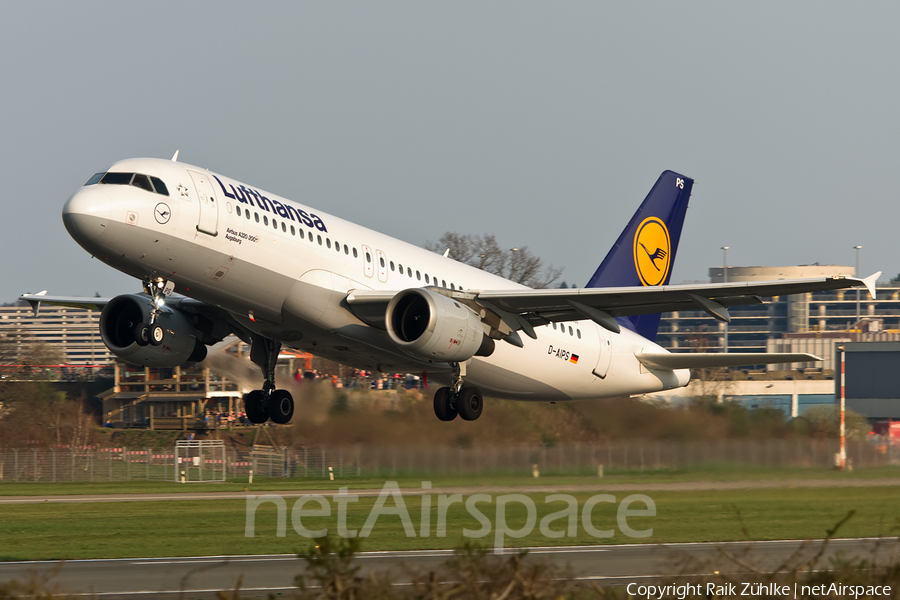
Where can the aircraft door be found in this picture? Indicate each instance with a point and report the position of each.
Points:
(382, 266)
(368, 261)
(605, 355)
(209, 211)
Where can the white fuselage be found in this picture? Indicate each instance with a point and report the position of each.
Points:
(283, 270)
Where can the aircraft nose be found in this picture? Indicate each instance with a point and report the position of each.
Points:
(86, 214)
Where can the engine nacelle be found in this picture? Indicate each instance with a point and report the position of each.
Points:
(436, 327)
(121, 316)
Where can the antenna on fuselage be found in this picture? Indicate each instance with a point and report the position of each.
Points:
(175, 156)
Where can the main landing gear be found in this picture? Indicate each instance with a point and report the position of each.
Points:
(267, 403)
(152, 333)
(458, 399)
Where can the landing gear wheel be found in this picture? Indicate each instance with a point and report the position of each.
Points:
(255, 407)
(281, 406)
(470, 403)
(444, 407)
(156, 335)
(142, 334)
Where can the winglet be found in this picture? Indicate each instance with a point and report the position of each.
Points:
(34, 300)
(175, 156)
(869, 282)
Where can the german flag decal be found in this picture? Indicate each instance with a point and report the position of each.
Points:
(574, 359)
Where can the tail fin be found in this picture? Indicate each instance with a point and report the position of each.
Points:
(645, 252)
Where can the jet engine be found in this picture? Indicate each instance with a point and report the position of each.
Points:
(118, 329)
(436, 327)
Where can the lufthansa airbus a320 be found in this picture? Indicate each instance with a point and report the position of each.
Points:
(218, 257)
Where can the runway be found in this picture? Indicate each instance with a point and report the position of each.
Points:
(678, 486)
(607, 565)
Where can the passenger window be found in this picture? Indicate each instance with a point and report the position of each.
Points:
(283, 228)
(117, 178)
(355, 253)
(265, 220)
(409, 271)
(554, 326)
(160, 186)
(95, 179)
(392, 266)
(274, 224)
(368, 257)
(320, 239)
(578, 333)
(302, 235)
(381, 262)
(443, 283)
(346, 249)
(293, 231)
(426, 278)
(237, 209)
(452, 287)
(256, 216)
(247, 214)
(337, 247)
(418, 276)
(400, 268)
(570, 330)
(328, 243)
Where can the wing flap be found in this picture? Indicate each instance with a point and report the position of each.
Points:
(668, 361)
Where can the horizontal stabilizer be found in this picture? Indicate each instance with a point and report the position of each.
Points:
(704, 360)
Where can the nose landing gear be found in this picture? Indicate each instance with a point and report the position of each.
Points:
(152, 333)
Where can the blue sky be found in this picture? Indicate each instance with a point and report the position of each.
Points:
(543, 123)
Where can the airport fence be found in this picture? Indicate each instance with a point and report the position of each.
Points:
(91, 464)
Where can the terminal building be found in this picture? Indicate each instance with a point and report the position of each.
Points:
(72, 333)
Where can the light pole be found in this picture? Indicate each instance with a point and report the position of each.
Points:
(858, 248)
(725, 277)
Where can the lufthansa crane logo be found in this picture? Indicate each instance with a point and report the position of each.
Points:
(652, 251)
(162, 213)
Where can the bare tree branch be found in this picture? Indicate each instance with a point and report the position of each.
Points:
(483, 252)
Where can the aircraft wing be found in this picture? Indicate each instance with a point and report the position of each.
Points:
(216, 322)
(524, 309)
(35, 301)
(602, 305)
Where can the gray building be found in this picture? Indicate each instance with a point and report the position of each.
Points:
(74, 332)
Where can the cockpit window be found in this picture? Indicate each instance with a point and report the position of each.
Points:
(135, 179)
(142, 181)
(160, 186)
(117, 178)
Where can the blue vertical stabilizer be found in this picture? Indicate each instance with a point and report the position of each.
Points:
(645, 252)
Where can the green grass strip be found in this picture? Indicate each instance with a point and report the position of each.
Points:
(196, 528)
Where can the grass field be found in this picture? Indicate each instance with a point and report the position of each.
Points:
(706, 473)
(196, 528)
